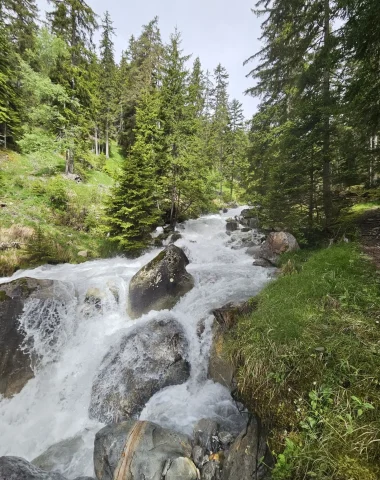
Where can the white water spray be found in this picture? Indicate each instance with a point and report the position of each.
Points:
(54, 405)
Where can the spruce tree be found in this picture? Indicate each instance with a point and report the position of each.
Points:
(132, 211)
(143, 64)
(237, 143)
(107, 87)
(9, 104)
(20, 17)
(220, 121)
(75, 22)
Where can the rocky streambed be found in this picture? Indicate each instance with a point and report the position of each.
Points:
(113, 369)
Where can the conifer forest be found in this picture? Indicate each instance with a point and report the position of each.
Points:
(119, 169)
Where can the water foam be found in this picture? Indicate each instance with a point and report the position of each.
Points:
(54, 405)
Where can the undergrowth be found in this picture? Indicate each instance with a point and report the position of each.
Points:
(63, 217)
(309, 363)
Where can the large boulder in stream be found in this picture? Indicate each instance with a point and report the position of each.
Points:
(161, 283)
(136, 450)
(15, 468)
(43, 298)
(151, 357)
(275, 244)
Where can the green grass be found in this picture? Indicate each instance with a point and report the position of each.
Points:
(308, 363)
(67, 215)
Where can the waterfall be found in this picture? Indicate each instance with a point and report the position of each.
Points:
(70, 347)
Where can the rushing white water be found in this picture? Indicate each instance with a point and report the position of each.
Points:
(54, 405)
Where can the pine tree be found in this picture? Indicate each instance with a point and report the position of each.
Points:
(75, 22)
(9, 105)
(237, 143)
(132, 211)
(142, 70)
(220, 121)
(107, 86)
(20, 17)
(297, 63)
(172, 116)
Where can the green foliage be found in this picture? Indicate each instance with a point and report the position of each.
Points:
(308, 359)
(132, 209)
(57, 193)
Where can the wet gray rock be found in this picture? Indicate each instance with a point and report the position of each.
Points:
(197, 455)
(84, 478)
(174, 237)
(15, 468)
(249, 456)
(232, 225)
(161, 283)
(212, 471)
(59, 454)
(261, 262)
(253, 251)
(42, 297)
(206, 434)
(225, 438)
(182, 468)
(277, 243)
(151, 357)
(143, 449)
(220, 369)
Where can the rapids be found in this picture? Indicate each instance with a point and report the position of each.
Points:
(54, 405)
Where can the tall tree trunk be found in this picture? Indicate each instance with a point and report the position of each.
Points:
(107, 141)
(311, 196)
(96, 141)
(5, 135)
(69, 161)
(232, 179)
(326, 175)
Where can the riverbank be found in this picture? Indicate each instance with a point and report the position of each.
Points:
(308, 363)
(47, 217)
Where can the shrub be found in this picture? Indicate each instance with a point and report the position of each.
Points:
(57, 193)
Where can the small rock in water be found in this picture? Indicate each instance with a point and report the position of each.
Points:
(211, 471)
(198, 455)
(15, 468)
(232, 225)
(59, 455)
(182, 468)
(206, 434)
(225, 438)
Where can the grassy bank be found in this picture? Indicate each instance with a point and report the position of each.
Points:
(309, 363)
(51, 218)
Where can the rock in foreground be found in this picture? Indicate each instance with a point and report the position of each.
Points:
(15, 468)
(136, 450)
(145, 361)
(161, 283)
